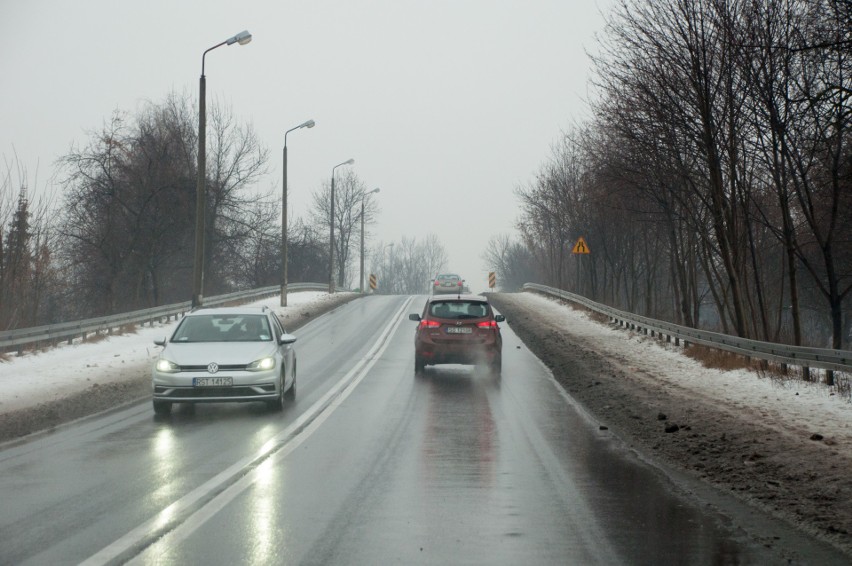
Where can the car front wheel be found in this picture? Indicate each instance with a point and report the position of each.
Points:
(277, 404)
(162, 408)
(290, 394)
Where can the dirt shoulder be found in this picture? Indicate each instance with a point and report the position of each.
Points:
(128, 386)
(788, 473)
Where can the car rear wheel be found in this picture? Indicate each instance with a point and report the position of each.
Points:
(419, 365)
(162, 407)
(497, 365)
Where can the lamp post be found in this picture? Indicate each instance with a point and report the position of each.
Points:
(200, 190)
(308, 124)
(331, 240)
(363, 198)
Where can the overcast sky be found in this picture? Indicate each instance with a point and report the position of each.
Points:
(447, 106)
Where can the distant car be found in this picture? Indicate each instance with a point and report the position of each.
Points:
(226, 355)
(459, 329)
(446, 283)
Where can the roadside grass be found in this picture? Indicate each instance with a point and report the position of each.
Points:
(103, 335)
(718, 359)
(843, 385)
(593, 315)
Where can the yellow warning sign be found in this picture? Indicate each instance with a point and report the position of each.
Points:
(373, 281)
(492, 279)
(581, 247)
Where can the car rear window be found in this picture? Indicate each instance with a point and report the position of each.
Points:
(458, 310)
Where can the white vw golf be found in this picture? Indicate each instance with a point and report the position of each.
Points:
(233, 354)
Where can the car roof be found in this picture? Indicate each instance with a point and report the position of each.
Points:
(232, 311)
(468, 297)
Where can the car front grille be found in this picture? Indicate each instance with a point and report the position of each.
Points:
(221, 368)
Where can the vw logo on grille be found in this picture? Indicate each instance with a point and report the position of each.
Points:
(213, 367)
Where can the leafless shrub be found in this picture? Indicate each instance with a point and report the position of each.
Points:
(598, 317)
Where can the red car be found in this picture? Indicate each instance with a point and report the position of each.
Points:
(460, 329)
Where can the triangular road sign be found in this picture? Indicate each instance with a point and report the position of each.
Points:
(581, 247)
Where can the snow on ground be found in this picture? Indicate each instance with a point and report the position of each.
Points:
(796, 404)
(34, 378)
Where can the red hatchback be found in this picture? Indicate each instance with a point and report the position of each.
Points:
(459, 329)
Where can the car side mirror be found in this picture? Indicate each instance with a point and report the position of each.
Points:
(499, 318)
(160, 342)
(286, 339)
(415, 317)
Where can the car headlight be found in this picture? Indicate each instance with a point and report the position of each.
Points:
(262, 364)
(167, 366)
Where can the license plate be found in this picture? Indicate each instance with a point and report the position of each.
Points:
(459, 330)
(212, 381)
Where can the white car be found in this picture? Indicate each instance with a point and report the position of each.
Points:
(233, 354)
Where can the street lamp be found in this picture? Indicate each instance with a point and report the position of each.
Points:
(363, 198)
(200, 190)
(331, 241)
(308, 124)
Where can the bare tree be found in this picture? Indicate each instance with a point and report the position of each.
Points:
(405, 267)
(511, 261)
(129, 207)
(349, 193)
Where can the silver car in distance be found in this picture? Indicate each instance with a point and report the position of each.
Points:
(233, 354)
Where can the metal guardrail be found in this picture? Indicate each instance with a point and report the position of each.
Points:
(53, 333)
(837, 360)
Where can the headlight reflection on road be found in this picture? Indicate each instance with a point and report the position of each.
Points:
(167, 462)
(267, 544)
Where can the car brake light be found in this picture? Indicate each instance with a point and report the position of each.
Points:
(429, 323)
(487, 324)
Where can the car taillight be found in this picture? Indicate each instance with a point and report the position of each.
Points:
(429, 323)
(460, 283)
(487, 324)
(437, 282)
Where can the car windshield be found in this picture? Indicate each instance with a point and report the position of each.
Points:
(458, 310)
(223, 328)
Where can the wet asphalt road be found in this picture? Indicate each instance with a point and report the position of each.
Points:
(369, 466)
